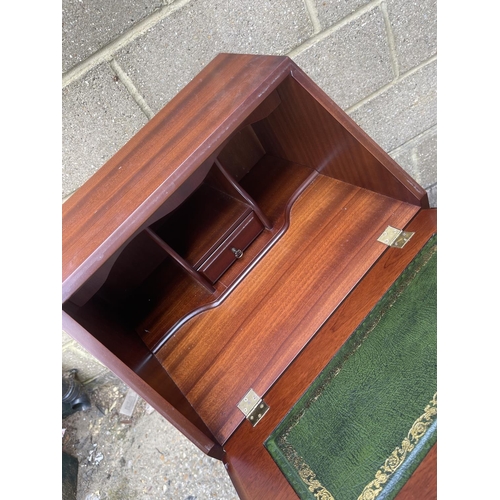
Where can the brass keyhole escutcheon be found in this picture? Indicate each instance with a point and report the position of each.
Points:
(237, 253)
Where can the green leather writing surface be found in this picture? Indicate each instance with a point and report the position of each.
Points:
(368, 420)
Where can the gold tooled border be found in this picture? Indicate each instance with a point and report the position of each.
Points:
(383, 474)
(398, 456)
(314, 486)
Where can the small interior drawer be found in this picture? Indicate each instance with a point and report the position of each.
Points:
(232, 248)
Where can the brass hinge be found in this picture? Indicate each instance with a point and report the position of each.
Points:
(253, 407)
(396, 238)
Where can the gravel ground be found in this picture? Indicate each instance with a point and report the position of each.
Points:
(141, 457)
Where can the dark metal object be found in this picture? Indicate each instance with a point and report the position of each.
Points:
(74, 397)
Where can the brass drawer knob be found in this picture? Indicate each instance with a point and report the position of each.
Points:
(237, 253)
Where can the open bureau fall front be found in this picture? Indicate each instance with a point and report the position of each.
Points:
(233, 245)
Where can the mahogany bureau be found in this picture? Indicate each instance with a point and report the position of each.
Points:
(230, 249)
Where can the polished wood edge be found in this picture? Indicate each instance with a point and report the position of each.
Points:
(199, 278)
(78, 268)
(134, 381)
(419, 194)
(423, 482)
(251, 468)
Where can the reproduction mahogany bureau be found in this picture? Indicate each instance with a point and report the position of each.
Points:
(230, 249)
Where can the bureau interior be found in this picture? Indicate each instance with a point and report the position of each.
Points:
(195, 250)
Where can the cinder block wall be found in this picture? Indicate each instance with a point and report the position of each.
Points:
(123, 60)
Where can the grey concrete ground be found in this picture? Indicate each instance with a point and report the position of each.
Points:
(124, 60)
(140, 456)
(131, 458)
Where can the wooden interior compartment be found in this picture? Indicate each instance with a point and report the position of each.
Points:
(198, 226)
(243, 179)
(348, 199)
(256, 133)
(259, 169)
(249, 340)
(318, 187)
(154, 282)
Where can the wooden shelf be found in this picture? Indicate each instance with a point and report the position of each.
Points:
(330, 245)
(164, 276)
(201, 223)
(169, 298)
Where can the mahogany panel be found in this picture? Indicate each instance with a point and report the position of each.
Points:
(258, 330)
(272, 182)
(134, 183)
(270, 103)
(304, 131)
(255, 287)
(126, 356)
(167, 298)
(280, 216)
(180, 260)
(109, 267)
(242, 152)
(251, 468)
(235, 185)
(164, 299)
(407, 183)
(423, 482)
(122, 273)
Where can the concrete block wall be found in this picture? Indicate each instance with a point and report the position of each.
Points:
(123, 60)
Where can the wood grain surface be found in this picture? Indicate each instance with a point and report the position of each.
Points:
(134, 183)
(423, 482)
(128, 358)
(194, 127)
(251, 468)
(248, 340)
(266, 307)
(168, 298)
